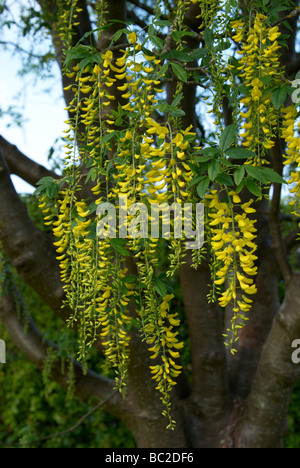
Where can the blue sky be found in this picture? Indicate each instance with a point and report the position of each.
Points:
(43, 111)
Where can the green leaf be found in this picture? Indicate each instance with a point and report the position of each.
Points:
(228, 137)
(196, 180)
(157, 42)
(255, 173)
(108, 137)
(151, 29)
(240, 187)
(130, 279)
(92, 174)
(52, 190)
(177, 35)
(271, 176)
(109, 166)
(179, 55)
(239, 153)
(278, 97)
(160, 287)
(92, 231)
(238, 175)
(213, 169)
(177, 100)
(180, 72)
(49, 186)
(118, 245)
(203, 186)
(177, 113)
(117, 35)
(198, 54)
(45, 181)
(92, 207)
(223, 45)
(79, 52)
(212, 150)
(264, 175)
(225, 179)
(203, 159)
(162, 23)
(162, 71)
(209, 38)
(253, 187)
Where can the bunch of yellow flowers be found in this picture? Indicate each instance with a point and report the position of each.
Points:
(292, 156)
(232, 235)
(259, 65)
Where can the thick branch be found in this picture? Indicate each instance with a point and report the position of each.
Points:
(83, 26)
(274, 221)
(22, 166)
(292, 239)
(142, 6)
(293, 67)
(34, 347)
(275, 378)
(242, 365)
(29, 250)
(207, 349)
(209, 392)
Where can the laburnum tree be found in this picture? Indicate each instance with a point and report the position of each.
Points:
(169, 102)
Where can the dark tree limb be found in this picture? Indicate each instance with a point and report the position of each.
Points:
(276, 375)
(143, 6)
(274, 220)
(84, 25)
(31, 342)
(209, 386)
(22, 166)
(292, 239)
(293, 67)
(227, 112)
(242, 366)
(28, 249)
(210, 389)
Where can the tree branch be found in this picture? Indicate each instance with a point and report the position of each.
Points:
(274, 221)
(242, 366)
(293, 67)
(143, 6)
(209, 392)
(28, 249)
(49, 9)
(20, 49)
(292, 239)
(22, 166)
(31, 342)
(275, 378)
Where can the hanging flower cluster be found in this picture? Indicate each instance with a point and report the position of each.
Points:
(292, 156)
(128, 156)
(68, 14)
(208, 10)
(260, 70)
(232, 245)
(134, 158)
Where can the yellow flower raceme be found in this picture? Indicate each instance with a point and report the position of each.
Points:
(259, 66)
(232, 242)
(292, 153)
(119, 97)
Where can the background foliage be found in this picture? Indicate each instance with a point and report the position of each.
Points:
(32, 406)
